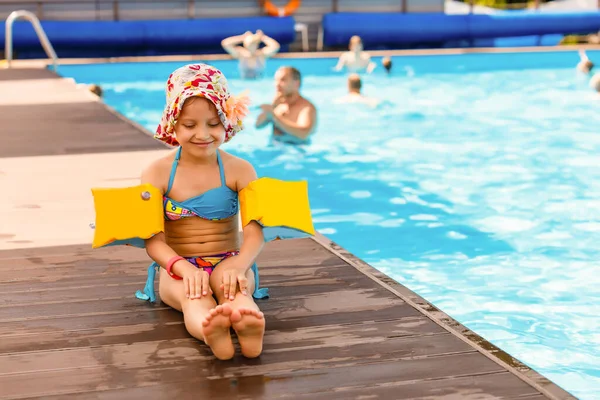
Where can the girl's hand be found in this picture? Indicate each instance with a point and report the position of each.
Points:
(233, 275)
(196, 282)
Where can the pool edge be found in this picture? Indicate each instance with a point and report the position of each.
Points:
(307, 55)
(518, 368)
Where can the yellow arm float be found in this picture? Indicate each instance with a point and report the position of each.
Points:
(127, 216)
(281, 207)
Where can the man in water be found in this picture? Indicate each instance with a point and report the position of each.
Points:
(355, 60)
(354, 93)
(252, 60)
(293, 117)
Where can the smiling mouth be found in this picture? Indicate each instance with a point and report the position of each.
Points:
(202, 143)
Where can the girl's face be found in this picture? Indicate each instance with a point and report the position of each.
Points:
(199, 129)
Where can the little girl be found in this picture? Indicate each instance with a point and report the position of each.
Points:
(200, 248)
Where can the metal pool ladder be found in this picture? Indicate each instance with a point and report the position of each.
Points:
(8, 45)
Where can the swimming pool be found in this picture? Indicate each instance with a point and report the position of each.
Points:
(477, 185)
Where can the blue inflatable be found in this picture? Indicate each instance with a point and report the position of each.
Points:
(138, 38)
(532, 23)
(392, 29)
(398, 30)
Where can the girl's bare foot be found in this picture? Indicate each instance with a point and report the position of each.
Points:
(215, 329)
(249, 324)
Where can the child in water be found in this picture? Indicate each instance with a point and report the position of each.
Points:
(206, 273)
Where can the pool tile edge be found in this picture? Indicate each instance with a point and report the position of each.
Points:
(527, 374)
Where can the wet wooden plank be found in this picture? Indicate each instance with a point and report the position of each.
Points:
(77, 128)
(164, 330)
(67, 278)
(35, 266)
(91, 261)
(278, 286)
(156, 314)
(498, 385)
(71, 280)
(70, 250)
(26, 73)
(95, 268)
(303, 377)
(349, 350)
(167, 315)
(494, 385)
(341, 298)
(91, 291)
(82, 273)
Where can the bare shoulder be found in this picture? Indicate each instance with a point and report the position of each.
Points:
(239, 169)
(157, 172)
(235, 164)
(307, 104)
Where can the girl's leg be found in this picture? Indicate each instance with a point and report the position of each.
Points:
(246, 318)
(203, 319)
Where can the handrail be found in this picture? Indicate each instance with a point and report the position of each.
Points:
(35, 22)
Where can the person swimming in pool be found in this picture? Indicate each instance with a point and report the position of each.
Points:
(595, 82)
(293, 117)
(387, 64)
(245, 48)
(354, 93)
(586, 66)
(355, 60)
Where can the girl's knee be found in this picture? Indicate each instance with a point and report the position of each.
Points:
(170, 298)
(215, 278)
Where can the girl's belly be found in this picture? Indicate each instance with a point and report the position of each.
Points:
(198, 237)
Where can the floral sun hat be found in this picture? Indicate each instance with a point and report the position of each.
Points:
(204, 81)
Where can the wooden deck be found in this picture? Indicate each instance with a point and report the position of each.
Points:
(71, 328)
(48, 115)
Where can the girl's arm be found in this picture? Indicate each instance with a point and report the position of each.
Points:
(234, 269)
(157, 248)
(161, 252)
(253, 239)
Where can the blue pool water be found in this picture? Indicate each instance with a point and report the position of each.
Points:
(477, 185)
